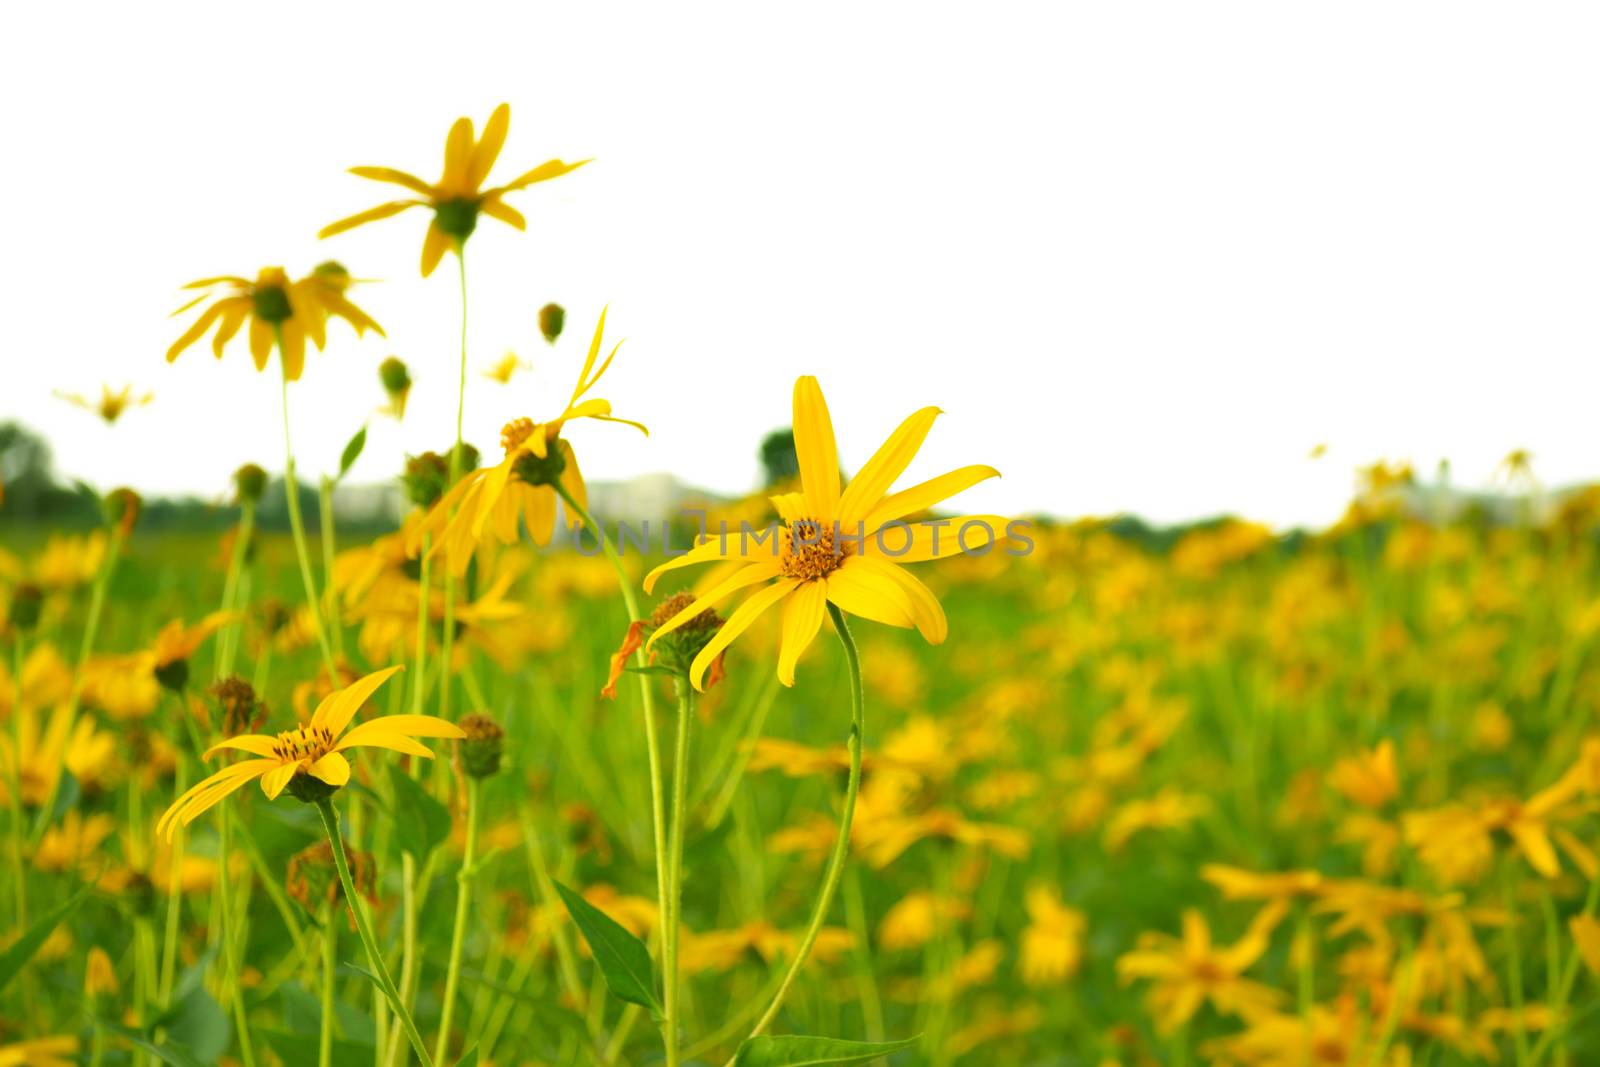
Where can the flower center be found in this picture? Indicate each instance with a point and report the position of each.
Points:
(303, 742)
(457, 217)
(272, 304)
(807, 550)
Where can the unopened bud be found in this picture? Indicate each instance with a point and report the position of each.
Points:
(552, 317)
(482, 747)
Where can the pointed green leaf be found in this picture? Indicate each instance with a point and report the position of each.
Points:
(420, 822)
(794, 1051)
(623, 958)
(352, 451)
(17, 956)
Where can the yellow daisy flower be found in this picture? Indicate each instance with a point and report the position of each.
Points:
(833, 545)
(278, 311)
(111, 405)
(313, 750)
(458, 197)
(487, 502)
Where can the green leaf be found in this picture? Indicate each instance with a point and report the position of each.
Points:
(302, 1048)
(623, 958)
(197, 1025)
(469, 1058)
(794, 1051)
(168, 1054)
(352, 451)
(17, 956)
(420, 822)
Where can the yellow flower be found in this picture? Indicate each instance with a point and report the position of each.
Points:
(59, 1051)
(1367, 778)
(99, 976)
(67, 846)
(312, 750)
(1189, 971)
(1052, 943)
(42, 753)
(509, 364)
(279, 311)
(111, 405)
(458, 197)
(488, 502)
(830, 549)
(1586, 934)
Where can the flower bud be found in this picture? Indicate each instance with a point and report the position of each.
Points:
(27, 603)
(425, 477)
(242, 711)
(173, 675)
(332, 273)
(312, 879)
(482, 747)
(249, 481)
(396, 379)
(552, 317)
(100, 986)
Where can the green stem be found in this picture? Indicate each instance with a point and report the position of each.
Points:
(380, 971)
(330, 963)
(18, 819)
(291, 488)
(673, 921)
(855, 911)
(169, 946)
(1569, 977)
(646, 694)
(464, 880)
(230, 983)
(228, 640)
(457, 461)
(841, 844)
(325, 520)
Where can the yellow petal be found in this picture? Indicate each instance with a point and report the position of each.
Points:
(572, 482)
(887, 463)
(899, 542)
(814, 447)
(457, 156)
(195, 331)
(926, 494)
(252, 743)
(737, 624)
(273, 781)
(1586, 933)
(926, 610)
(260, 342)
(496, 208)
(372, 214)
(292, 348)
(395, 177)
(743, 578)
(487, 150)
(339, 707)
(433, 248)
(802, 618)
(554, 168)
(331, 768)
(859, 590)
(242, 772)
(728, 544)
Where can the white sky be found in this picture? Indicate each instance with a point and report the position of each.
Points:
(1145, 256)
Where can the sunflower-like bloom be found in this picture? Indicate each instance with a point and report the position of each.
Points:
(488, 502)
(278, 310)
(111, 405)
(458, 197)
(312, 751)
(1186, 972)
(833, 545)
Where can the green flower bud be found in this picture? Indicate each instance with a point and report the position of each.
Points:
(250, 481)
(27, 603)
(552, 317)
(482, 747)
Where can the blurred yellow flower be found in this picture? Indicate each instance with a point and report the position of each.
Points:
(1367, 778)
(1190, 971)
(1052, 942)
(279, 311)
(458, 197)
(111, 405)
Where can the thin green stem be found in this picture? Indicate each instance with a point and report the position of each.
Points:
(291, 488)
(646, 694)
(228, 640)
(672, 923)
(464, 879)
(841, 844)
(169, 945)
(330, 964)
(329, 547)
(457, 462)
(380, 970)
(230, 956)
(18, 819)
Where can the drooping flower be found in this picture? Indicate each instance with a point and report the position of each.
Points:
(279, 311)
(309, 758)
(488, 503)
(834, 545)
(458, 197)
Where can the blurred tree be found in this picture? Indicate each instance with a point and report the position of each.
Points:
(778, 459)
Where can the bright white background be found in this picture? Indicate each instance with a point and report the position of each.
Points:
(1144, 255)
